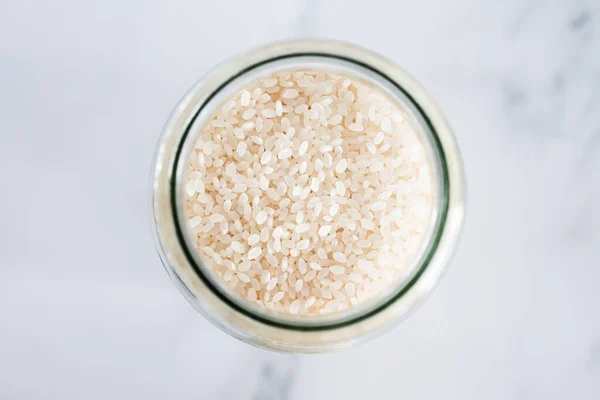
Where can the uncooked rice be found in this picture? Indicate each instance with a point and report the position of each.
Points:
(308, 192)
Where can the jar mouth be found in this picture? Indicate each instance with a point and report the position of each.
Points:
(438, 170)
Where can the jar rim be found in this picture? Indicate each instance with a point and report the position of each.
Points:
(450, 185)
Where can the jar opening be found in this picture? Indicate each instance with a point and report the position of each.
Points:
(429, 139)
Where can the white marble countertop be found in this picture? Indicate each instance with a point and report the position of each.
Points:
(86, 309)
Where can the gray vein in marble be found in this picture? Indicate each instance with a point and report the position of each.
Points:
(277, 375)
(523, 98)
(590, 150)
(522, 17)
(593, 362)
(514, 93)
(306, 21)
(582, 19)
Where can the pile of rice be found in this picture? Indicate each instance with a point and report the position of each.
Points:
(308, 192)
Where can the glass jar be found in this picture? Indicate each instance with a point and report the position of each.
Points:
(283, 332)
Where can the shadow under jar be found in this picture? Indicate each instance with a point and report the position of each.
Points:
(191, 270)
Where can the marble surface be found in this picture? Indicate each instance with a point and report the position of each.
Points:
(86, 309)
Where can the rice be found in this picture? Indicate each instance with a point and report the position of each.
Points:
(308, 192)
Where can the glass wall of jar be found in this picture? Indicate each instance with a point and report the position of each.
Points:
(280, 331)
